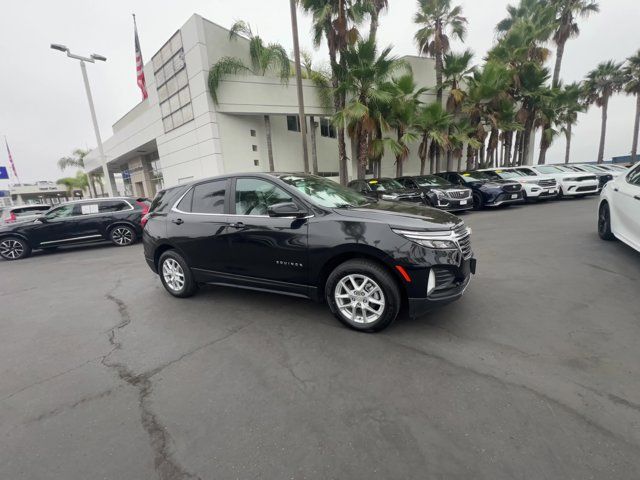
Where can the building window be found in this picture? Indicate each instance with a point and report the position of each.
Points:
(293, 123)
(156, 175)
(172, 84)
(253, 133)
(256, 162)
(254, 148)
(327, 129)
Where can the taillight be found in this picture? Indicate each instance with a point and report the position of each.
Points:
(145, 219)
(12, 217)
(144, 206)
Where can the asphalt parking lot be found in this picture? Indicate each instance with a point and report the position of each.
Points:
(533, 374)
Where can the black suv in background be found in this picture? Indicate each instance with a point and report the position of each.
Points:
(386, 189)
(440, 193)
(116, 219)
(487, 191)
(307, 236)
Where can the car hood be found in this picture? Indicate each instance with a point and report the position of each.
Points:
(404, 192)
(496, 183)
(402, 215)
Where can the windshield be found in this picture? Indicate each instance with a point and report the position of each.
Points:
(509, 174)
(325, 192)
(432, 181)
(548, 169)
(475, 176)
(590, 168)
(383, 184)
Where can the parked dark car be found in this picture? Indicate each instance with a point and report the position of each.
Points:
(22, 213)
(307, 236)
(440, 193)
(487, 192)
(116, 219)
(387, 189)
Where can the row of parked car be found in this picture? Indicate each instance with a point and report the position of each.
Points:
(492, 187)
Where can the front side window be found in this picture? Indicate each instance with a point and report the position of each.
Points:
(634, 176)
(254, 196)
(209, 197)
(548, 169)
(61, 212)
(470, 177)
(432, 181)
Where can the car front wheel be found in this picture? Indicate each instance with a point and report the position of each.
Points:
(176, 275)
(363, 295)
(604, 223)
(478, 204)
(14, 248)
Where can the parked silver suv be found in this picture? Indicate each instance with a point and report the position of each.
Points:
(22, 213)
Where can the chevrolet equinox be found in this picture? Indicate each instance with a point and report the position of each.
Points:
(307, 236)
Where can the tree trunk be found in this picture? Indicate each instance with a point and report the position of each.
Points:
(636, 126)
(267, 129)
(449, 161)
(459, 161)
(314, 147)
(338, 104)
(567, 150)
(469, 158)
(526, 140)
(517, 149)
(544, 146)
(423, 150)
(373, 28)
(556, 70)
(362, 153)
(432, 158)
(439, 74)
(507, 148)
(603, 128)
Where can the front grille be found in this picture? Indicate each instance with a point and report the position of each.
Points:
(586, 189)
(587, 179)
(512, 187)
(462, 235)
(547, 183)
(458, 194)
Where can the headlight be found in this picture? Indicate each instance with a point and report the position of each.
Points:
(389, 196)
(441, 240)
(439, 193)
(530, 182)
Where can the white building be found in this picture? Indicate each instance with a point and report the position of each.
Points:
(178, 134)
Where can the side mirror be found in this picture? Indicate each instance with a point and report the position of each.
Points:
(42, 219)
(285, 209)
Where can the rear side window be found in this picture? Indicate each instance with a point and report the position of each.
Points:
(209, 197)
(165, 199)
(28, 211)
(634, 176)
(113, 206)
(185, 203)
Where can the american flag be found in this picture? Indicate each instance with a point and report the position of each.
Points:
(13, 167)
(139, 63)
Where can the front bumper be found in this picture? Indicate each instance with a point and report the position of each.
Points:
(579, 188)
(453, 281)
(454, 205)
(505, 198)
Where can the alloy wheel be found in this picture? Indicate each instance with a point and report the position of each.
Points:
(122, 236)
(11, 249)
(359, 299)
(173, 274)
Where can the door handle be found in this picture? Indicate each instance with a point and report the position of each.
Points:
(615, 189)
(237, 225)
(178, 221)
(637, 197)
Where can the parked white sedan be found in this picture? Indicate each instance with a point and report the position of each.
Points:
(619, 209)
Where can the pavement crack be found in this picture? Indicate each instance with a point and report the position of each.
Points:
(550, 400)
(166, 466)
(58, 410)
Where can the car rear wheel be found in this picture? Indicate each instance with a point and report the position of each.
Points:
(176, 275)
(122, 235)
(363, 295)
(604, 223)
(14, 248)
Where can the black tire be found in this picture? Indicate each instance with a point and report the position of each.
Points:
(189, 285)
(604, 222)
(122, 235)
(478, 203)
(383, 287)
(14, 248)
(560, 194)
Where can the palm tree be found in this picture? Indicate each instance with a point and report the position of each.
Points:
(573, 105)
(76, 160)
(549, 116)
(457, 71)
(602, 82)
(567, 11)
(363, 79)
(270, 58)
(432, 123)
(525, 10)
(79, 182)
(335, 21)
(632, 87)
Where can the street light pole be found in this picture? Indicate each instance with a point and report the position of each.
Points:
(85, 78)
(296, 54)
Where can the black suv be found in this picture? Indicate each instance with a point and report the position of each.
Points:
(440, 193)
(308, 236)
(487, 191)
(387, 189)
(115, 219)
